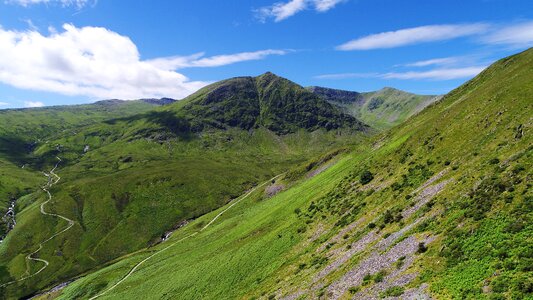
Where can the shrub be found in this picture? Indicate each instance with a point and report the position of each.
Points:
(367, 279)
(379, 276)
(400, 262)
(494, 161)
(422, 248)
(500, 284)
(366, 177)
(354, 289)
(394, 291)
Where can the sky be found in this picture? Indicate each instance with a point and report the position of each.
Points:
(56, 52)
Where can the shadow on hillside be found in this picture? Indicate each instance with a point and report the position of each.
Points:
(168, 122)
(15, 149)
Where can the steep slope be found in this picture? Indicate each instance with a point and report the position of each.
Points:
(440, 206)
(381, 109)
(127, 181)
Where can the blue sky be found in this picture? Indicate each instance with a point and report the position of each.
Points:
(78, 51)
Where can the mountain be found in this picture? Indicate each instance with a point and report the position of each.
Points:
(440, 206)
(267, 101)
(381, 109)
(162, 101)
(122, 174)
(22, 130)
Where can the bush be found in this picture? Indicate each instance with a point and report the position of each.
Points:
(354, 289)
(422, 248)
(394, 291)
(367, 279)
(379, 276)
(494, 161)
(400, 262)
(366, 177)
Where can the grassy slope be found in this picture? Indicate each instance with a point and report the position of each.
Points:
(389, 107)
(143, 175)
(478, 136)
(173, 187)
(381, 109)
(23, 129)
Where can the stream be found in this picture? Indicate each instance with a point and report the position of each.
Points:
(9, 219)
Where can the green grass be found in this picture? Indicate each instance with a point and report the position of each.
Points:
(262, 247)
(266, 247)
(381, 109)
(237, 254)
(144, 174)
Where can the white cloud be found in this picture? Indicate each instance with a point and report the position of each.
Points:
(325, 5)
(3, 103)
(96, 62)
(64, 3)
(198, 59)
(33, 104)
(436, 74)
(415, 35)
(517, 35)
(347, 75)
(433, 62)
(283, 10)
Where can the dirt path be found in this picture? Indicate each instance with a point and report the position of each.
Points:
(71, 223)
(182, 239)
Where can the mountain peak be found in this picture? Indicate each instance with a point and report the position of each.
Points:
(267, 101)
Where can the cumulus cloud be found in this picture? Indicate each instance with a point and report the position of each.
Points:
(199, 59)
(516, 35)
(96, 62)
(64, 3)
(282, 10)
(415, 35)
(33, 104)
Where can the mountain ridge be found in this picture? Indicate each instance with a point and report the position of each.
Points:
(381, 109)
(267, 100)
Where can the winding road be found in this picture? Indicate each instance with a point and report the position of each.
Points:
(182, 239)
(71, 223)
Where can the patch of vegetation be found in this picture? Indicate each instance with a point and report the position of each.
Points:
(365, 177)
(395, 291)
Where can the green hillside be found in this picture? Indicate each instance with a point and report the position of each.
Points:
(440, 206)
(22, 130)
(128, 179)
(267, 101)
(381, 109)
